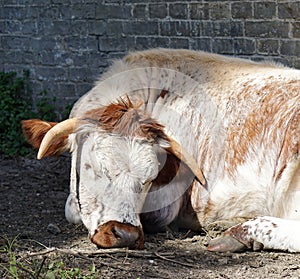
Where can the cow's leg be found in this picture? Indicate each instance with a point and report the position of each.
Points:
(72, 211)
(271, 232)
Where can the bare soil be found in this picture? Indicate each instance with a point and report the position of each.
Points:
(32, 198)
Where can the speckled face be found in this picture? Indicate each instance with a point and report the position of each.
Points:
(113, 176)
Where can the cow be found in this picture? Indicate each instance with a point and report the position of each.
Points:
(187, 138)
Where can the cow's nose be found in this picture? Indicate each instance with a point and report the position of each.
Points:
(114, 234)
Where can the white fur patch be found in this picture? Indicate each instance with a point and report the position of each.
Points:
(275, 233)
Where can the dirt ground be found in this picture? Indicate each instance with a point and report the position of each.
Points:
(33, 226)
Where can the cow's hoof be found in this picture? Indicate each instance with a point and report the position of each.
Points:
(226, 243)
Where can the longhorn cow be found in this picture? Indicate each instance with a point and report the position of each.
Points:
(182, 136)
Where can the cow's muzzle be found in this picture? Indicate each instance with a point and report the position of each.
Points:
(114, 234)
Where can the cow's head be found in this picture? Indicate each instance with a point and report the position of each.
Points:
(116, 154)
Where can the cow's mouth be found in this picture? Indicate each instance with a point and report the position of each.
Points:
(114, 234)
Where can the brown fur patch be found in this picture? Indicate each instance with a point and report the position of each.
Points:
(126, 119)
(163, 93)
(272, 119)
(168, 172)
(34, 131)
(240, 233)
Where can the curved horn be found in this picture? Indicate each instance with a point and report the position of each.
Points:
(184, 156)
(61, 129)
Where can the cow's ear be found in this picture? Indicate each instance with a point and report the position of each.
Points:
(34, 131)
(179, 151)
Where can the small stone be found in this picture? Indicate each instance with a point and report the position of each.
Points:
(54, 229)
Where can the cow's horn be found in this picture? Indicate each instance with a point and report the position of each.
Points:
(184, 156)
(61, 129)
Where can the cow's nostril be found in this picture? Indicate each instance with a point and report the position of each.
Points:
(117, 232)
(125, 235)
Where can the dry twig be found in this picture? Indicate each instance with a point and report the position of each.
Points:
(107, 253)
(174, 261)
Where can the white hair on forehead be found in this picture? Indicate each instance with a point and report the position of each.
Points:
(133, 156)
(114, 154)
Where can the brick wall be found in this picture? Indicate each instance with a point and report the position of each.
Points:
(66, 44)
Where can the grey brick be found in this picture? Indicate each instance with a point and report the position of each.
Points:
(82, 74)
(178, 11)
(220, 11)
(13, 12)
(141, 27)
(142, 43)
(112, 44)
(244, 46)
(38, 2)
(96, 27)
(13, 42)
(139, 11)
(51, 12)
(78, 27)
(13, 57)
(264, 10)
(13, 2)
(49, 58)
(12, 27)
(53, 58)
(195, 28)
(223, 46)
(289, 10)
(296, 29)
(267, 29)
(95, 60)
(33, 12)
(297, 63)
(2, 55)
(222, 28)
(82, 88)
(51, 73)
(104, 11)
(241, 10)
(29, 27)
(60, 2)
(45, 43)
(81, 43)
(78, 59)
(53, 27)
(179, 42)
(268, 46)
(114, 28)
(67, 89)
(158, 10)
(199, 11)
(175, 28)
(35, 86)
(291, 48)
(86, 11)
(159, 42)
(204, 44)
(3, 29)
(18, 68)
(65, 12)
